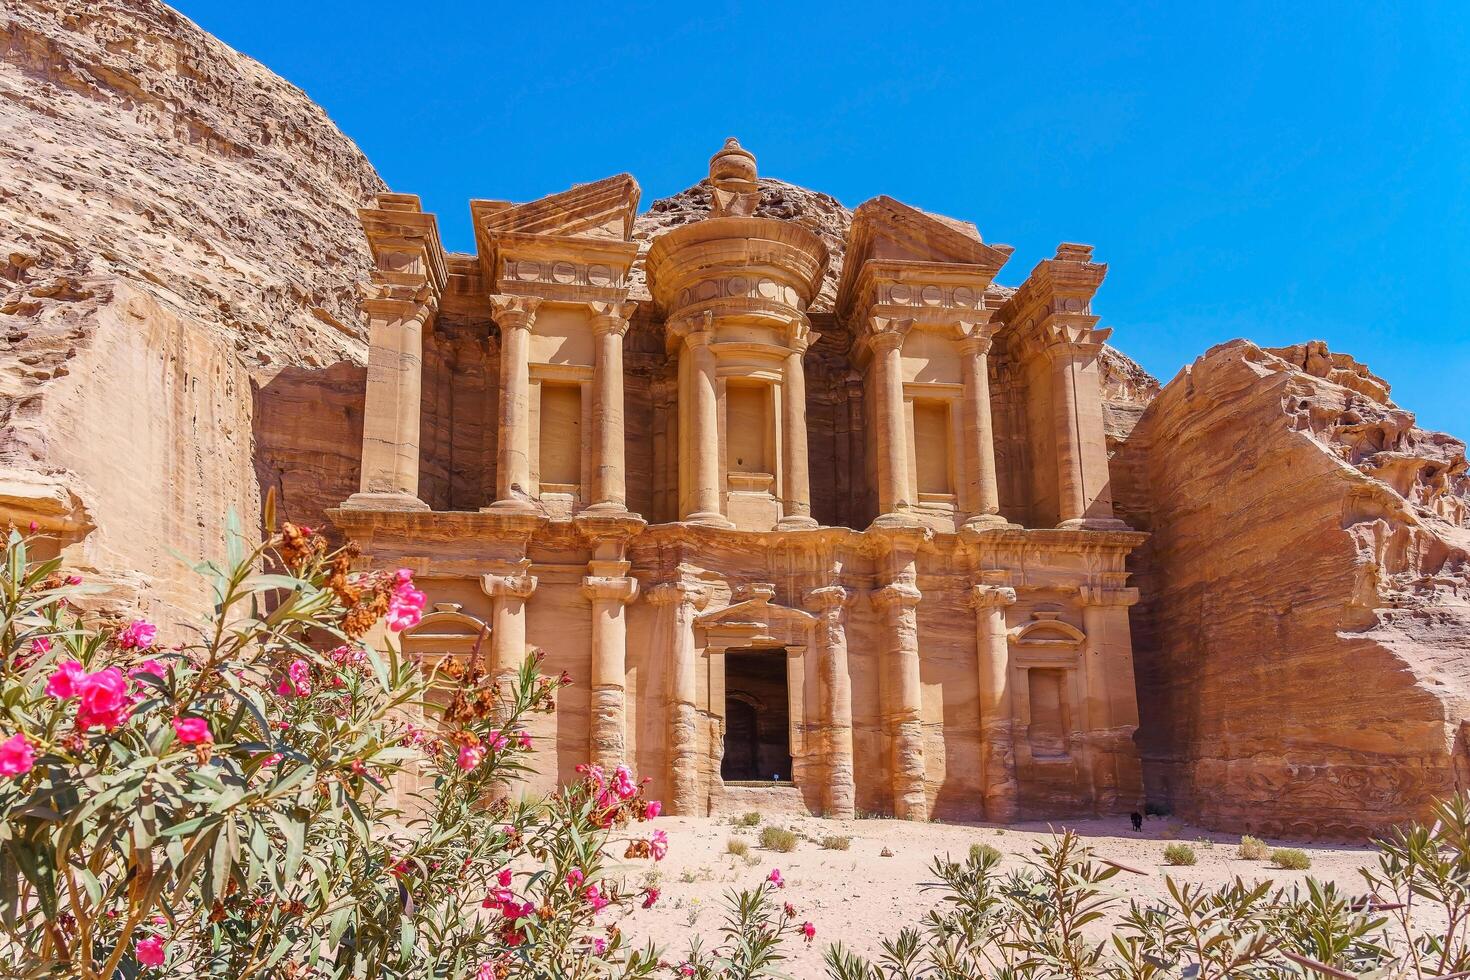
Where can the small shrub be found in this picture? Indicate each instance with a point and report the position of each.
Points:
(1179, 853)
(984, 852)
(1291, 859)
(737, 847)
(1253, 849)
(833, 843)
(751, 860)
(777, 839)
(747, 820)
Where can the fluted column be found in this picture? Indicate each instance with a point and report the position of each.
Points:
(890, 415)
(997, 752)
(609, 479)
(903, 702)
(982, 491)
(702, 443)
(609, 595)
(683, 600)
(1071, 494)
(840, 790)
(515, 315)
(391, 414)
(509, 586)
(796, 480)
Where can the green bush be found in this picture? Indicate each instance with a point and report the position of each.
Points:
(984, 852)
(737, 847)
(1179, 853)
(775, 838)
(1291, 858)
(834, 843)
(1253, 849)
(746, 820)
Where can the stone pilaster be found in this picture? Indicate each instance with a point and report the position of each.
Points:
(682, 600)
(902, 699)
(702, 443)
(997, 714)
(890, 415)
(609, 475)
(509, 585)
(515, 315)
(795, 476)
(1111, 702)
(839, 794)
(981, 497)
(610, 590)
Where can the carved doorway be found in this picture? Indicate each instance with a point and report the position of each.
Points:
(757, 717)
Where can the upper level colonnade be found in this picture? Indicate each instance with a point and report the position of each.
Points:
(501, 381)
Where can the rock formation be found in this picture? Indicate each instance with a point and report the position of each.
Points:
(1304, 635)
(177, 227)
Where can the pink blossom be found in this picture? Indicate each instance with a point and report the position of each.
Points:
(405, 604)
(504, 878)
(775, 878)
(486, 971)
(150, 666)
(498, 741)
(809, 931)
(65, 680)
(658, 845)
(599, 945)
(575, 878)
(470, 756)
(35, 526)
(41, 646)
(685, 970)
(623, 783)
(104, 699)
(149, 951)
(73, 580)
(16, 755)
(193, 731)
(524, 740)
(297, 681)
(653, 810)
(595, 899)
(137, 635)
(650, 896)
(271, 760)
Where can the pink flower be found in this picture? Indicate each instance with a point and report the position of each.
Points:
(575, 878)
(35, 526)
(65, 679)
(623, 784)
(505, 877)
(524, 740)
(486, 971)
(470, 756)
(104, 699)
(16, 755)
(271, 760)
(297, 681)
(649, 897)
(498, 741)
(653, 810)
(595, 899)
(658, 845)
(405, 604)
(137, 635)
(41, 646)
(599, 945)
(150, 666)
(775, 878)
(809, 931)
(685, 970)
(149, 951)
(193, 731)
(73, 580)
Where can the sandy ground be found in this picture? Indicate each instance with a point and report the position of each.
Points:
(858, 897)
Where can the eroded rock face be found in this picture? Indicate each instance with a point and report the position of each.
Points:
(176, 225)
(1303, 643)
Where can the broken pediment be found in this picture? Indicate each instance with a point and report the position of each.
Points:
(755, 619)
(602, 209)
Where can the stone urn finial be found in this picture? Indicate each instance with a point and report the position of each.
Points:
(732, 178)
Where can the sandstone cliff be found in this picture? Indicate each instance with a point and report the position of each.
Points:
(1303, 644)
(176, 226)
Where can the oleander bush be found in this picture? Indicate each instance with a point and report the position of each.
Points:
(1179, 854)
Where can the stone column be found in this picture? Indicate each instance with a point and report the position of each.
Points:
(609, 595)
(903, 704)
(683, 599)
(509, 586)
(981, 489)
(702, 443)
(1112, 703)
(840, 791)
(796, 488)
(609, 482)
(997, 753)
(1084, 489)
(1071, 495)
(515, 315)
(890, 415)
(390, 424)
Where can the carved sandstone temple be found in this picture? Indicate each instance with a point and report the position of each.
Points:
(866, 556)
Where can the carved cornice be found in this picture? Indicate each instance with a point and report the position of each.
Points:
(1051, 314)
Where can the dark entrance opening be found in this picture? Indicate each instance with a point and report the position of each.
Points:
(757, 717)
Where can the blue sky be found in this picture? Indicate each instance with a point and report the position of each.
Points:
(1278, 171)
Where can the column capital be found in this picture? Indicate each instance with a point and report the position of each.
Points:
(392, 301)
(989, 596)
(827, 598)
(1093, 595)
(887, 333)
(896, 594)
(669, 593)
(611, 317)
(511, 312)
(516, 580)
(619, 589)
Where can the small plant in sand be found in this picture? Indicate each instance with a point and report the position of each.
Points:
(1179, 854)
(775, 838)
(835, 843)
(751, 819)
(737, 847)
(1291, 859)
(980, 852)
(1253, 849)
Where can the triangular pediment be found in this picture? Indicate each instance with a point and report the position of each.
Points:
(603, 209)
(758, 610)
